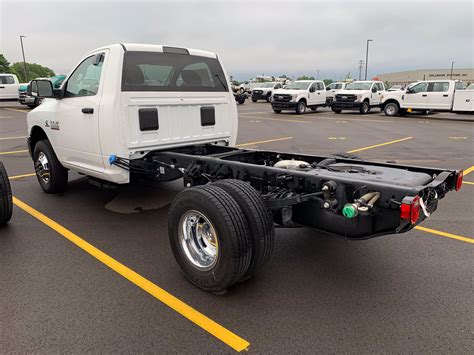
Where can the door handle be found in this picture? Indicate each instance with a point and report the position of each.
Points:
(88, 110)
(319, 93)
(424, 95)
(2, 87)
(445, 95)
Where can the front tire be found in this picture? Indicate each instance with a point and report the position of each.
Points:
(364, 108)
(268, 98)
(391, 109)
(209, 237)
(276, 110)
(51, 175)
(301, 107)
(254, 100)
(6, 203)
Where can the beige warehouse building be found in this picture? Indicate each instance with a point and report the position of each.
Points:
(406, 77)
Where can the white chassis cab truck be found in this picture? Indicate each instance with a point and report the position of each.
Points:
(332, 89)
(429, 95)
(167, 113)
(9, 86)
(359, 95)
(299, 95)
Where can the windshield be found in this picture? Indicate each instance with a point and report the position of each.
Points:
(266, 85)
(359, 86)
(470, 87)
(298, 85)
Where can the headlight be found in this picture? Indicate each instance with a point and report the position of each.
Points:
(358, 97)
(293, 96)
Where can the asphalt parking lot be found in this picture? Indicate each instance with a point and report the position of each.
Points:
(407, 293)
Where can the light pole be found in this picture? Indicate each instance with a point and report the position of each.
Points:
(367, 57)
(24, 61)
(317, 77)
(452, 65)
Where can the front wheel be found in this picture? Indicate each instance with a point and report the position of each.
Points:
(242, 90)
(301, 107)
(364, 108)
(6, 203)
(276, 110)
(209, 237)
(254, 100)
(268, 98)
(51, 175)
(391, 109)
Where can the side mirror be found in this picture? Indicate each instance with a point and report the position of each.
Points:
(409, 91)
(312, 89)
(41, 88)
(328, 88)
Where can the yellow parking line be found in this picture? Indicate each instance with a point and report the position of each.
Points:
(261, 142)
(444, 234)
(15, 109)
(21, 176)
(379, 145)
(468, 182)
(217, 330)
(9, 138)
(468, 170)
(14, 152)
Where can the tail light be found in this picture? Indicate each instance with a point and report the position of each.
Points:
(410, 208)
(459, 177)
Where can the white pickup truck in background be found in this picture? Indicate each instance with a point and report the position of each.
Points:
(9, 86)
(264, 91)
(429, 95)
(332, 89)
(299, 95)
(359, 95)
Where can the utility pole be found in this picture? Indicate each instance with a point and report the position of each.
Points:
(317, 76)
(367, 57)
(452, 66)
(361, 65)
(24, 61)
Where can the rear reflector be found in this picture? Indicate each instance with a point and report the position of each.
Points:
(410, 209)
(459, 177)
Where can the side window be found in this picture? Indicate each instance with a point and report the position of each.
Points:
(314, 86)
(438, 87)
(332, 86)
(421, 87)
(458, 85)
(338, 86)
(379, 87)
(320, 86)
(85, 79)
(277, 86)
(7, 79)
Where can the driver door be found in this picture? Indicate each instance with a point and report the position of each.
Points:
(416, 96)
(77, 116)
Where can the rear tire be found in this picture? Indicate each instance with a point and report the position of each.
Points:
(259, 220)
(364, 108)
(268, 98)
(214, 258)
(6, 203)
(301, 107)
(314, 108)
(51, 175)
(391, 109)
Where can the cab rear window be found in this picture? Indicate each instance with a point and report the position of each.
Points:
(155, 71)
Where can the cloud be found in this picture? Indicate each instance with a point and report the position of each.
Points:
(251, 37)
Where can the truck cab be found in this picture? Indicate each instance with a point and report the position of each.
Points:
(264, 91)
(130, 99)
(299, 95)
(9, 86)
(359, 95)
(426, 95)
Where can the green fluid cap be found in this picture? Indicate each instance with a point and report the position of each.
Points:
(349, 211)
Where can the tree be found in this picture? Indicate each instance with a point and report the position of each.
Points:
(33, 70)
(327, 81)
(305, 77)
(4, 64)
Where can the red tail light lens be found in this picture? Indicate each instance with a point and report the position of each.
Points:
(459, 177)
(410, 209)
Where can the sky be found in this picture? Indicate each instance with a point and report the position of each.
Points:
(251, 37)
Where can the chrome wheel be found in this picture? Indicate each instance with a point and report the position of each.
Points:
(198, 239)
(42, 168)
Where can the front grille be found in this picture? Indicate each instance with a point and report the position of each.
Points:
(22, 94)
(345, 97)
(281, 98)
(258, 92)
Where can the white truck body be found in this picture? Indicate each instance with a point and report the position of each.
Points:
(358, 95)
(9, 86)
(440, 95)
(264, 91)
(85, 130)
(311, 92)
(334, 88)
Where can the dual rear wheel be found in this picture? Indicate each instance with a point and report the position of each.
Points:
(220, 233)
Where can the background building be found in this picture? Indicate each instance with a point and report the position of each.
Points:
(406, 77)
